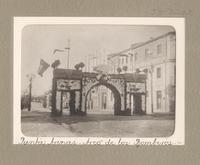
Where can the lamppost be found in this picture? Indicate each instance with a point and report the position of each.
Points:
(68, 49)
(30, 77)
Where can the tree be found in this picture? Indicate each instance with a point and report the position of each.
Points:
(138, 70)
(81, 65)
(76, 66)
(119, 70)
(125, 68)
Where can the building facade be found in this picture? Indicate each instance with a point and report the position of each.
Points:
(157, 59)
(100, 98)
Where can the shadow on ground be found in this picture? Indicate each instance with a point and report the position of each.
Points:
(45, 117)
(41, 123)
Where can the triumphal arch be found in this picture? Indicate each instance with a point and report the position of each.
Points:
(129, 91)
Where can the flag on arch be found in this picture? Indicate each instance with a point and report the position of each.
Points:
(43, 67)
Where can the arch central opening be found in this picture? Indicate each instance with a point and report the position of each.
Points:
(103, 99)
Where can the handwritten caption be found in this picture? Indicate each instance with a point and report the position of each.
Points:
(91, 141)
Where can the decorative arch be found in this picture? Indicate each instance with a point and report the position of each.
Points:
(115, 85)
(117, 98)
(123, 87)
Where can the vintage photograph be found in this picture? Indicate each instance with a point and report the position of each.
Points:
(98, 80)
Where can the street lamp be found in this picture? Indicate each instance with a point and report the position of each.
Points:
(30, 77)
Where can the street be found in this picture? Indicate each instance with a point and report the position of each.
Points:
(39, 123)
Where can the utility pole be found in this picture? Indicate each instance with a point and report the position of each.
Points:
(89, 62)
(30, 94)
(31, 76)
(86, 63)
(68, 49)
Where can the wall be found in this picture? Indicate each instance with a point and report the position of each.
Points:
(166, 61)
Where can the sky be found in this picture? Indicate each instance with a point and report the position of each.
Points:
(39, 42)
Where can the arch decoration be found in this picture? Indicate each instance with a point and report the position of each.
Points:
(78, 84)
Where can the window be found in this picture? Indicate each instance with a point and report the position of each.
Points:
(159, 49)
(131, 58)
(104, 100)
(159, 72)
(159, 97)
(136, 56)
(146, 52)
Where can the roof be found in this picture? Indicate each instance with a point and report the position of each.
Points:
(67, 74)
(139, 44)
(78, 75)
(117, 54)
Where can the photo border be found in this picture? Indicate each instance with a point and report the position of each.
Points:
(178, 138)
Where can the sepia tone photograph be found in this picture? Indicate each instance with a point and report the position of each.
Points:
(105, 80)
(98, 80)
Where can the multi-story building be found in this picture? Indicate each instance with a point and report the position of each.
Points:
(98, 100)
(157, 56)
(98, 97)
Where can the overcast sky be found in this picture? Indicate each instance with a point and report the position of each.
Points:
(39, 41)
